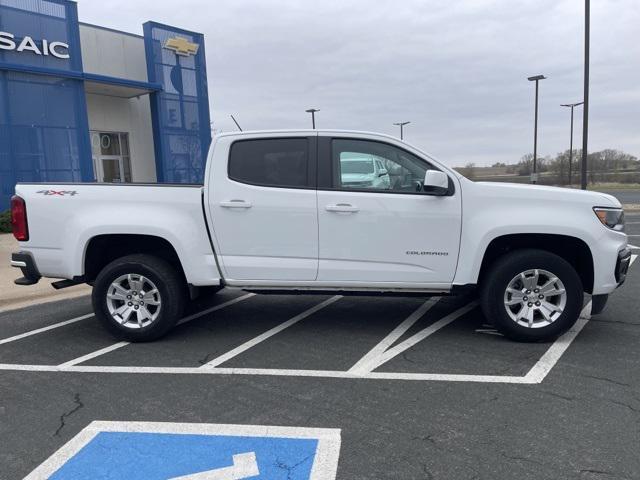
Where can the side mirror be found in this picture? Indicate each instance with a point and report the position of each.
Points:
(382, 173)
(436, 183)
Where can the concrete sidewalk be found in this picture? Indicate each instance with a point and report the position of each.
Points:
(13, 296)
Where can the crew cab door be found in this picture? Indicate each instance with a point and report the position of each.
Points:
(262, 202)
(383, 231)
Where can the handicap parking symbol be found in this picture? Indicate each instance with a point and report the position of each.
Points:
(193, 451)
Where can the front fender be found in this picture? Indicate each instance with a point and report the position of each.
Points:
(482, 226)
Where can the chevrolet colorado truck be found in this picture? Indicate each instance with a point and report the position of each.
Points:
(280, 211)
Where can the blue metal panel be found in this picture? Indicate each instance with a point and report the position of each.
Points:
(180, 112)
(92, 77)
(54, 20)
(44, 128)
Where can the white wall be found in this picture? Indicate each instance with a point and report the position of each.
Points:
(121, 55)
(133, 116)
(112, 53)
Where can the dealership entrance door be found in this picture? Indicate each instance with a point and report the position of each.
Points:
(111, 159)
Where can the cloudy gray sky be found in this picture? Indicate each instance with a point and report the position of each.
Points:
(456, 69)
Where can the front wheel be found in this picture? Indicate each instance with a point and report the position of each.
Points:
(532, 295)
(138, 297)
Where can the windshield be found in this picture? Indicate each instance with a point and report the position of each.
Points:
(356, 166)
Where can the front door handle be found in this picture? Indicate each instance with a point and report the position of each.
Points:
(235, 204)
(342, 208)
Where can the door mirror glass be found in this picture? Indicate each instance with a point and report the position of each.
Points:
(436, 183)
(382, 173)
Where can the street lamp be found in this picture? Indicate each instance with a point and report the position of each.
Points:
(313, 111)
(401, 125)
(534, 176)
(585, 109)
(572, 105)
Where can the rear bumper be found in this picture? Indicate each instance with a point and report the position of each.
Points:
(622, 265)
(25, 262)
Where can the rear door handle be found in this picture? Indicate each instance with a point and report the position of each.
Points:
(342, 207)
(235, 204)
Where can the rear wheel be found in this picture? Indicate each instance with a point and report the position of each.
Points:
(532, 295)
(138, 297)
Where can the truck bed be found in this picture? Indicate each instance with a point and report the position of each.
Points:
(63, 217)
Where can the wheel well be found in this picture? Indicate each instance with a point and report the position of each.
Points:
(572, 249)
(103, 249)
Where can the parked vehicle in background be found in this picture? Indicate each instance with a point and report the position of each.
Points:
(293, 211)
(363, 172)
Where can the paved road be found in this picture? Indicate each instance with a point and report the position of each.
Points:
(434, 411)
(626, 196)
(632, 228)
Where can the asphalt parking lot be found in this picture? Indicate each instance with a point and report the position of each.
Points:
(626, 196)
(418, 388)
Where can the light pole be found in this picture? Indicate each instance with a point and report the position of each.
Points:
(585, 109)
(401, 125)
(572, 105)
(313, 111)
(534, 176)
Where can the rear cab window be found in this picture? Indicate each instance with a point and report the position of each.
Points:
(273, 162)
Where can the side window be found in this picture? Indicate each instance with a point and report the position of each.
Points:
(272, 162)
(367, 165)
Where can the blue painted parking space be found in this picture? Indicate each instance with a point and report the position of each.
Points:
(175, 451)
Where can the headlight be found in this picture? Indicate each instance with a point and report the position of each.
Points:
(611, 217)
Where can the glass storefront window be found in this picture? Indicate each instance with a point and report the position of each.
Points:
(111, 156)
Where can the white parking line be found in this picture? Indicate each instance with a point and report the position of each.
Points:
(216, 308)
(89, 315)
(95, 354)
(44, 329)
(269, 333)
(418, 337)
(374, 354)
(543, 366)
(443, 377)
(118, 345)
(633, 247)
(633, 259)
(536, 375)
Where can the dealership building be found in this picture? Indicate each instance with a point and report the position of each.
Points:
(84, 103)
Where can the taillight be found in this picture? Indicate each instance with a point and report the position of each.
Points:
(19, 219)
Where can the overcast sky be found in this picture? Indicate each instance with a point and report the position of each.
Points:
(456, 69)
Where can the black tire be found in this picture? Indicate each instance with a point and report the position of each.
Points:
(500, 274)
(598, 302)
(171, 289)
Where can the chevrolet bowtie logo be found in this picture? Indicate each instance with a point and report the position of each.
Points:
(181, 46)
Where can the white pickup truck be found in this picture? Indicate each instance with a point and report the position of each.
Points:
(277, 212)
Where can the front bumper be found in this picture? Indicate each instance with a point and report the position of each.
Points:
(622, 265)
(25, 262)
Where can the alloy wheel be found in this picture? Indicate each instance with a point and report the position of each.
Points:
(535, 298)
(133, 301)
